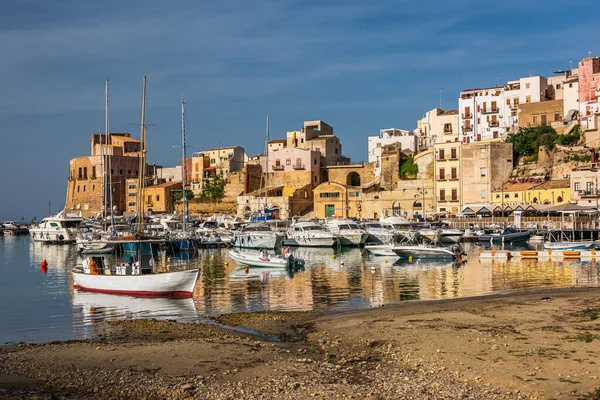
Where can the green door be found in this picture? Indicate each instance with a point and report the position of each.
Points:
(329, 210)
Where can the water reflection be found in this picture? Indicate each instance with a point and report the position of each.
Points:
(36, 307)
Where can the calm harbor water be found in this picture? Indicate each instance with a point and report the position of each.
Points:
(38, 307)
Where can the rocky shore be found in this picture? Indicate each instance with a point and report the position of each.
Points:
(535, 345)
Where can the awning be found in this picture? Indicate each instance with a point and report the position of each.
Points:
(484, 210)
(569, 208)
(468, 210)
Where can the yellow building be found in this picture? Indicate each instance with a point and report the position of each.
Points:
(157, 198)
(553, 192)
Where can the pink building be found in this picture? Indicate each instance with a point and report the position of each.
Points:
(589, 89)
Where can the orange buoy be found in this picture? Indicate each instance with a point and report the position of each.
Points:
(44, 264)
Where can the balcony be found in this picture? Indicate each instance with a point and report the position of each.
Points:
(441, 178)
(493, 110)
(278, 167)
(467, 116)
(447, 130)
(588, 194)
(453, 178)
(467, 129)
(494, 124)
(299, 166)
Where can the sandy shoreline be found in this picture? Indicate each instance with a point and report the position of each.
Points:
(497, 346)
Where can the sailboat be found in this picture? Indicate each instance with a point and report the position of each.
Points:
(259, 235)
(186, 239)
(99, 242)
(138, 276)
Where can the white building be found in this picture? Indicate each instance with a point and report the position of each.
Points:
(484, 114)
(437, 126)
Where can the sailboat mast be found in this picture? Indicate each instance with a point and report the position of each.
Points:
(183, 167)
(142, 168)
(267, 162)
(108, 191)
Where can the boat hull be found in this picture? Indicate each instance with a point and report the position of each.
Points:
(352, 239)
(253, 260)
(53, 236)
(258, 241)
(175, 284)
(511, 237)
(310, 242)
(430, 253)
(381, 250)
(570, 245)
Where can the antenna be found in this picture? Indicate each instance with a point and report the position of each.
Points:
(441, 103)
(589, 53)
(570, 64)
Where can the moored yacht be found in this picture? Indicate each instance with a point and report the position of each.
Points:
(377, 233)
(309, 234)
(61, 228)
(257, 236)
(347, 232)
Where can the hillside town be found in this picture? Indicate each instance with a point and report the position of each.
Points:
(465, 161)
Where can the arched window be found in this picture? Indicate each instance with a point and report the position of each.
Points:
(559, 199)
(535, 200)
(353, 179)
(279, 192)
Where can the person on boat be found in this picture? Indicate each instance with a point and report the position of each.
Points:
(93, 266)
(130, 261)
(286, 253)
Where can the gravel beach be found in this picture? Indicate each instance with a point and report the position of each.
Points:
(536, 345)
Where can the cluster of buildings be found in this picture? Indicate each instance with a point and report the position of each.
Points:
(461, 161)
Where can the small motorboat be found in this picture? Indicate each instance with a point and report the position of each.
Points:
(505, 236)
(430, 252)
(570, 245)
(266, 260)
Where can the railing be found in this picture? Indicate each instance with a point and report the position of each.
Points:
(492, 110)
(467, 129)
(538, 222)
(588, 193)
(467, 116)
(441, 178)
(495, 123)
(278, 167)
(299, 166)
(447, 130)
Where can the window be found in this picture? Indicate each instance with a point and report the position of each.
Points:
(508, 102)
(483, 171)
(556, 117)
(129, 171)
(318, 149)
(558, 85)
(442, 195)
(80, 173)
(336, 151)
(93, 172)
(454, 194)
(570, 85)
(93, 188)
(515, 101)
(329, 194)
(131, 194)
(577, 186)
(213, 161)
(315, 161)
(527, 99)
(84, 172)
(589, 186)
(131, 204)
(132, 186)
(149, 199)
(353, 194)
(84, 188)
(527, 85)
(534, 119)
(506, 196)
(288, 161)
(453, 173)
(441, 155)
(453, 153)
(442, 173)
(484, 194)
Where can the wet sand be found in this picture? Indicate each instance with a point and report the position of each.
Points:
(541, 344)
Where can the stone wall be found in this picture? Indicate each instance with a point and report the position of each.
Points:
(208, 209)
(340, 173)
(531, 114)
(390, 166)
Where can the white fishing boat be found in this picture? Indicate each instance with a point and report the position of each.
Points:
(423, 251)
(257, 236)
(135, 279)
(61, 229)
(443, 235)
(347, 232)
(309, 234)
(265, 260)
(395, 223)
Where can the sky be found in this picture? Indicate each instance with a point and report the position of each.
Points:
(360, 66)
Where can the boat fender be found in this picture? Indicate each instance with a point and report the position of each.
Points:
(44, 264)
(409, 258)
(549, 252)
(494, 253)
(593, 252)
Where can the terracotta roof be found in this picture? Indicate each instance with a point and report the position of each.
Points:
(278, 141)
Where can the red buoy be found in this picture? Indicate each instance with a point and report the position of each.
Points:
(44, 270)
(44, 264)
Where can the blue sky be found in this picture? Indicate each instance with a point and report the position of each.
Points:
(358, 65)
